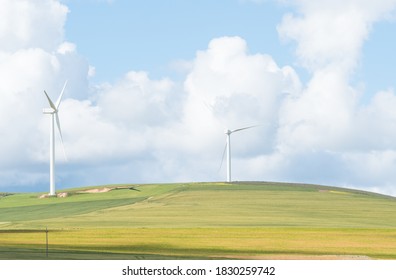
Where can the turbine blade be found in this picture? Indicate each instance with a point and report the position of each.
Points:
(60, 96)
(208, 106)
(60, 133)
(222, 157)
(50, 101)
(243, 128)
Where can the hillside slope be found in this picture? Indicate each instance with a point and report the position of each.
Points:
(202, 205)
(200, 220)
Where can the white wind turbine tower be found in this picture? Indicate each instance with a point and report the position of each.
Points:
(53, 111)
(228, 147)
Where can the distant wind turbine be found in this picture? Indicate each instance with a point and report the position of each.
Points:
(228, 147)
(53, 111)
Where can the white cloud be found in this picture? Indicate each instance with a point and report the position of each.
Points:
(120, 123)
(229, 88)
(322, 117)
(373, 169)
(31, 24)
(138, 101)
(332, 32)
(329, 37)
(327, 119)
(66, 47)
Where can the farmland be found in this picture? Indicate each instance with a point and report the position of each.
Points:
(241, 220)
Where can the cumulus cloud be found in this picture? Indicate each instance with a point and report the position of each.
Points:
(332, 32)
(229, 88)
(22, 24)
(118, 124)
(138, 101)
(328, 118)
(321, 117)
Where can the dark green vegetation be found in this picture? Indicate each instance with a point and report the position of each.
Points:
(200, 220)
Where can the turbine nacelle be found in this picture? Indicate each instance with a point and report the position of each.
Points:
(49, 111)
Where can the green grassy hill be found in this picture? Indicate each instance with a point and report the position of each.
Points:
(200, 220)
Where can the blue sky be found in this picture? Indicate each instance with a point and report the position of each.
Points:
(119, 36)
(149, 35)
(153, 84)
(378, 66)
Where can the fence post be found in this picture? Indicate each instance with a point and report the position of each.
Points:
(46, 242)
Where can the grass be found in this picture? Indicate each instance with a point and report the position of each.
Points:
(203, 243)
(201, 220)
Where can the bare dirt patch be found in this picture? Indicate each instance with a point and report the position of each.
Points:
(61, 195)
(98, 190)
(300, 257)
(107, 189)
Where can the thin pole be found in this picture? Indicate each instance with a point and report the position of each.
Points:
(228, 156)
(46, 239)
(52, 157)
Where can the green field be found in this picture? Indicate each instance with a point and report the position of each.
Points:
(245, 220)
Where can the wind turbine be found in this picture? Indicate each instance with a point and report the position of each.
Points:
(53, 111)
(228, 147)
